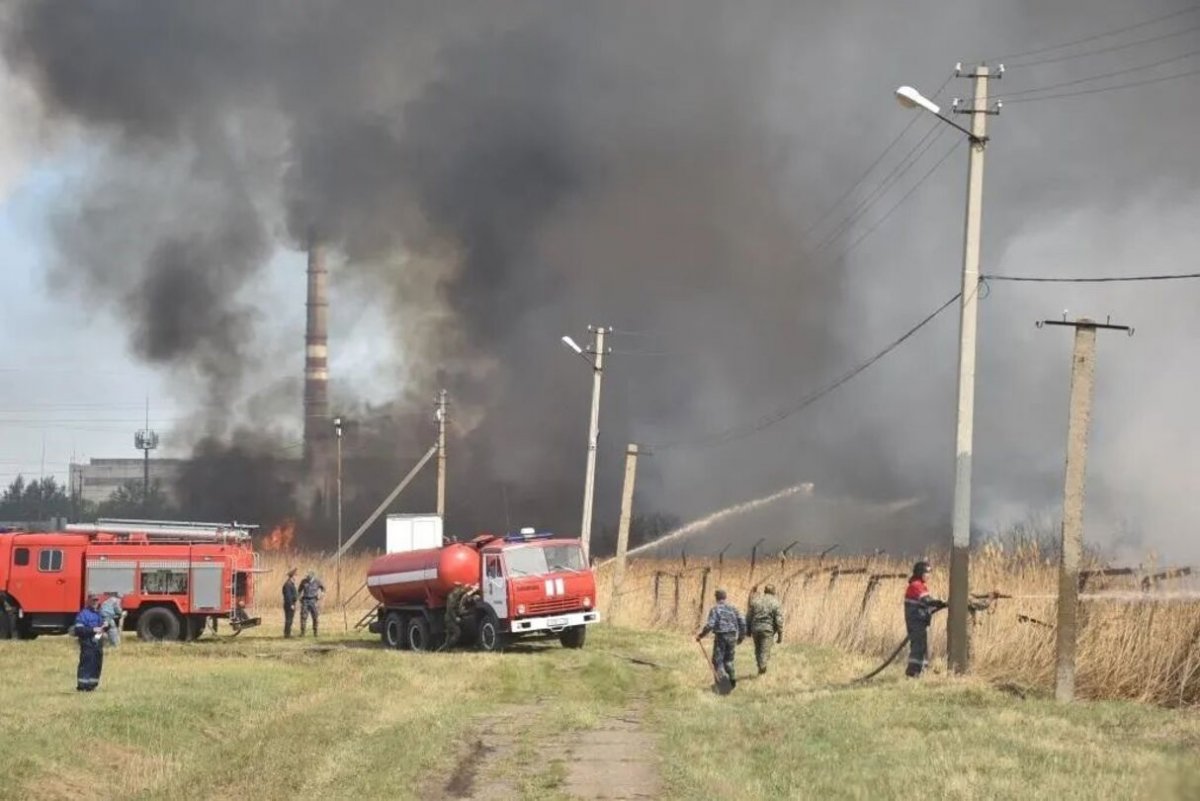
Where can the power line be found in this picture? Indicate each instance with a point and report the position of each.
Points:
(1015, 56)
(1110, 48)
(1094, 90)
(902, 167)
(1040, 279)
(878, 159)
(906, 196)
(746, 429)
(1101, 76)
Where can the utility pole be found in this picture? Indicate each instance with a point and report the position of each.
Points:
(589, 487)
(956, 634)
(631, 456)
(1083, 373)
(441, 466)
(337, 431)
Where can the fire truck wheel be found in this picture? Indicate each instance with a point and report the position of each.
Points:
(573, 637)
(158, 624)
(491, 637)
(8, 624)
(418, 633)
(393, 631)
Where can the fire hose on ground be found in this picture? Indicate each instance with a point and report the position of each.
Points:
(978, 603)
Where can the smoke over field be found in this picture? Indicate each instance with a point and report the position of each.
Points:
(489, 176)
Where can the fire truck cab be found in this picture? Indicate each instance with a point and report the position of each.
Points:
(173, 577)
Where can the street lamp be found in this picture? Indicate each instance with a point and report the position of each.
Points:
(956, 625)
(589, 485)
(337, 431)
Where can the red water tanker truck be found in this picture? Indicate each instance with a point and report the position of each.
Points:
(531, 585)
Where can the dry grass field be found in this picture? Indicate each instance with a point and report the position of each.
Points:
(1135, 645)
(344, 718)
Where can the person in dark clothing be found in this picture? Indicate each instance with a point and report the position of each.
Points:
(311, 592)
(89, 629)
(729, 629)
(919, 607)
(289, 602)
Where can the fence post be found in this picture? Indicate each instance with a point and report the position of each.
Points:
(703, 594)
(754, 556)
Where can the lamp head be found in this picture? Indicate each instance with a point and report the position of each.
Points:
(911, 98)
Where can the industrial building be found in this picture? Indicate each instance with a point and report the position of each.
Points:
(100, 478)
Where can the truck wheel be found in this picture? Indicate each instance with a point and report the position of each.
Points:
(417, 633)
(491, 637)
(8, 624)
(393, 634)
(158, 624)
(573, 637)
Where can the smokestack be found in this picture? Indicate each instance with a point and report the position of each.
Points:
(316, 355)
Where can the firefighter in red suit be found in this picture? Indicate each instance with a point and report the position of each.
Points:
(919, 607)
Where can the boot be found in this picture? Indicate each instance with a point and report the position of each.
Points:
(762, 670)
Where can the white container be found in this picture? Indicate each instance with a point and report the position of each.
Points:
(413, 532)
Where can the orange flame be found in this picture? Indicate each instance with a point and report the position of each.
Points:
(280, 538)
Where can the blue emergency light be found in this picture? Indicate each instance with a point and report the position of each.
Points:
(527, 534)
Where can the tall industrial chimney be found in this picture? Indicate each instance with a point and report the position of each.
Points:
(316, 358)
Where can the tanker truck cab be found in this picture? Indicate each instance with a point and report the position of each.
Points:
(531, 586)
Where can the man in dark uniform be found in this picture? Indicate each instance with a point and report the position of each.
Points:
(289, 602)
(729, 629)
(919, 607)
(311, 591)
(89, 629)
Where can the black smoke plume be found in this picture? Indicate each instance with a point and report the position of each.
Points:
(497, 174)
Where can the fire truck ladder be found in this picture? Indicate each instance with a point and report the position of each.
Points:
(168, 530)
(366, 619)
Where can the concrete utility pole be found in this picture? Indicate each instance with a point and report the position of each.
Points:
(589, 488)
(589, 485)
(958, 646)
(1083, 372)
(337, 432)
(441, 468)
(631, 456)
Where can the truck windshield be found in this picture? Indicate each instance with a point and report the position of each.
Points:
(534, 560)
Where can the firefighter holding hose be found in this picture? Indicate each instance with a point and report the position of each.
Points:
(919, 607)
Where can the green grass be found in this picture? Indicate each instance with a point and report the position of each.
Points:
(267, 718)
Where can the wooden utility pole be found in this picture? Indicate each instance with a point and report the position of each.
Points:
(1083, 372)
(631, 456)
(441, 465)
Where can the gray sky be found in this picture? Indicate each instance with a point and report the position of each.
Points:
(785, 104)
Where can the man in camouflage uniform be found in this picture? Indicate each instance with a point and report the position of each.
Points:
(459, 604)
(311, 590)
(765, 619)
(729, 629)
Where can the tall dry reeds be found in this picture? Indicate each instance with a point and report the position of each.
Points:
(1133, 644)
(269, 595)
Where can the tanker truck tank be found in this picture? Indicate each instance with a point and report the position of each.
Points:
(425, 576)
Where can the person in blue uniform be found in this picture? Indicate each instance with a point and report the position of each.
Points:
(89, 629)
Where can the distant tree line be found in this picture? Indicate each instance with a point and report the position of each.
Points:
(45, 498)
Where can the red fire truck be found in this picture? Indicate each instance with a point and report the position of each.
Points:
(532, 585)
(173, 577)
